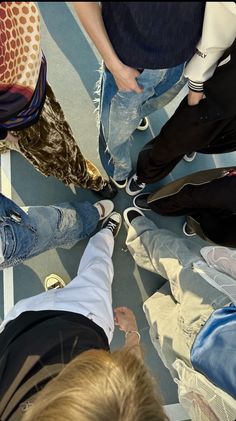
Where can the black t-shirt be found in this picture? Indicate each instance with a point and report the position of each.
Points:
(38, 339)
(153, 35)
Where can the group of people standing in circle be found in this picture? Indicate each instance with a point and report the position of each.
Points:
(55, 358)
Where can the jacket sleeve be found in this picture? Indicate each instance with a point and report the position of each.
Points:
(218, 33)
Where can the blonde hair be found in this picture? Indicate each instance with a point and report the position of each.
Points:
(99, 386)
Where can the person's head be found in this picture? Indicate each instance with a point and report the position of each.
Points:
(99, 386)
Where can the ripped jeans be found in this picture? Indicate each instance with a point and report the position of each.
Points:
(120, 113)
(27, 232)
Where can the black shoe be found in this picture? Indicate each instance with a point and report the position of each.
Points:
(130, 214)
(113, 223)
(140, 201)
(108, 191)
(134, 186)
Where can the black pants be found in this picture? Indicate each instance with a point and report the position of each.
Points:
(190, 129)
(212, 205)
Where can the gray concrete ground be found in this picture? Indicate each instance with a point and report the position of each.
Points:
(72, 71)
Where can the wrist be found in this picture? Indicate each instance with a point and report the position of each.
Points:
(114, 65)
(195, 86)
(133, 333)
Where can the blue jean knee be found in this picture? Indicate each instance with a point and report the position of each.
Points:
(25, 234)
(63, 225)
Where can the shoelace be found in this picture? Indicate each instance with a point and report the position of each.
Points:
(140, 185)
(111, 225)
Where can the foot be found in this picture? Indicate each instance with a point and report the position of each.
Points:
(141, 201)
(130, 214)
(108, 191)
(104, 208)
(121, 184)
(113, 223)
(189, 232)
(189, 157)
(143, 124)
(53, 282)
(134, 186)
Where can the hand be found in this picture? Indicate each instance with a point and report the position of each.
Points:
(125, 319)
(125, 78)
(194, 97)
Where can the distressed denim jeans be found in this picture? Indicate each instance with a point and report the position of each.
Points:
(120, 113)
(27, 232)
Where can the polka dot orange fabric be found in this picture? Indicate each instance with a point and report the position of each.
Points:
(20, 54)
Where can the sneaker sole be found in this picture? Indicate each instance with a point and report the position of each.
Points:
(119, 185)
(139, 207)
(126, 221)
(185, 232)
(129, 192)
(186, 159)
(143, 128)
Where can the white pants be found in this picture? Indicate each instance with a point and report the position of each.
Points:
(89, 293)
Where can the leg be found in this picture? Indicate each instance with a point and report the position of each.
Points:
(174, 319)
(120, 113)
(177, 138)
(62, 225)
(30, 231)
(119, 117)
(50, 146)
(89, 293)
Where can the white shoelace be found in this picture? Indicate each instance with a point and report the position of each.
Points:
(111, 225)
(141, 185)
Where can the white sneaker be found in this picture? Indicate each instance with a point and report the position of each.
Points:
(134, 186)
(53, 282)
(104, 208)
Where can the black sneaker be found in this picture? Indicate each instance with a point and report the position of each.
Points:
(134, 186)
(143, 124)
(141, 201)
(108, 191)
(130, 214)
(113, 223)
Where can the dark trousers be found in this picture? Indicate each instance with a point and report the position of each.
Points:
(212, 207)
(190, 129)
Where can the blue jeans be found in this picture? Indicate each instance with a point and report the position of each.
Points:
(25, 234)
(120, 113)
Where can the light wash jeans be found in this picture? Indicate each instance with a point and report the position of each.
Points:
(120, 113)
(174, 317)
(26, 232)
(89, 293)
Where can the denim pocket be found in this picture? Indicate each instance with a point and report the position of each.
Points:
(9, 242)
